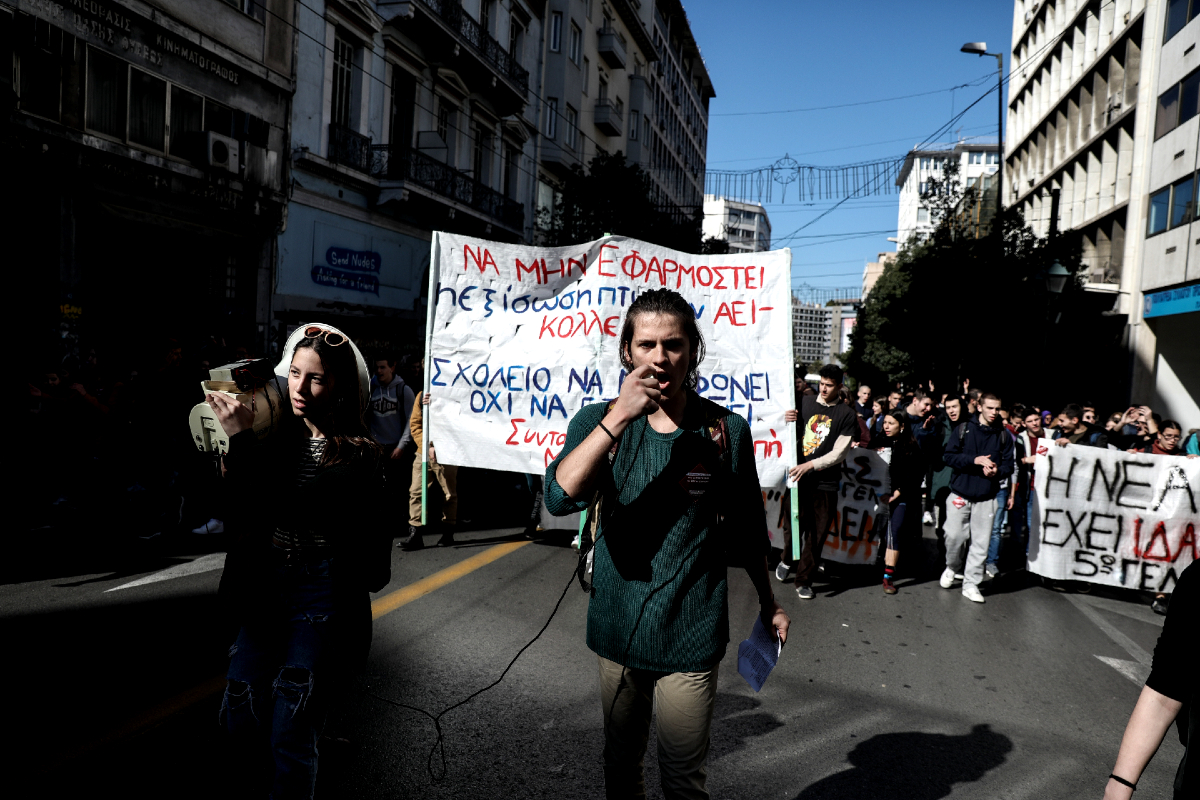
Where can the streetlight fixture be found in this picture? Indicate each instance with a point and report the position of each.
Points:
(980, 49)
(1056, 278)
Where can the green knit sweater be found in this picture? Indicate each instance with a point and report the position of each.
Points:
(660, 598)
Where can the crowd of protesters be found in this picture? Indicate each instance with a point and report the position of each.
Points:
(963, 458)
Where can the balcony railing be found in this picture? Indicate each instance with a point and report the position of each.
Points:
(465, 26)
(349, 148)
(612, 47)
(391, 162)
(608, 116)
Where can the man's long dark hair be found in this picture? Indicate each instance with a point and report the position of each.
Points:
(349, 438)
(672, 304)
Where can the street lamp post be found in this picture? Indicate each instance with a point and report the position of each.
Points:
(980, 49)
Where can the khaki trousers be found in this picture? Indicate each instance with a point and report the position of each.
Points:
(442, 488)
(682, 705)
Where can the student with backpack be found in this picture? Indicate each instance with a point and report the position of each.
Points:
(671, 480)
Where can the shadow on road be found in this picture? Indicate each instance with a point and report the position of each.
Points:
(913, 766)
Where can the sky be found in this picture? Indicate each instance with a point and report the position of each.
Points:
(770, 56)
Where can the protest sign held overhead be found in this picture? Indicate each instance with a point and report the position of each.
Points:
(1121, 519)
(523, 337)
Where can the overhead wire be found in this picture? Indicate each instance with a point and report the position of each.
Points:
(969, 84)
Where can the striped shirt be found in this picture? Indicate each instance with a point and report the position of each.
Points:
(308, 457)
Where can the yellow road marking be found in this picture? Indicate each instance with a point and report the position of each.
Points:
(379, 607)
(390, 602)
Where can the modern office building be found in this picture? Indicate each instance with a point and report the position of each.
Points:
(745, 227)
(1102, 140)
(842, 319)
(928, 164)
(812, 333)
(1165, 324)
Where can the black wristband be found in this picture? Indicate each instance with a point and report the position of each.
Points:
(1122, 781)
(606, 430)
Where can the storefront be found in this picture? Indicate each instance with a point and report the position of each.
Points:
(365, 273)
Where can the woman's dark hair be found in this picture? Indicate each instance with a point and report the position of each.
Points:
(349, 439)
(664, 301)
(904, 439)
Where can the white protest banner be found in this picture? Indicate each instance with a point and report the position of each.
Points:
(861, 520)
(525, 336)
(1120, 519)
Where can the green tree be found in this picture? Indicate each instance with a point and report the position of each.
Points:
(951, 307)
(614, 196)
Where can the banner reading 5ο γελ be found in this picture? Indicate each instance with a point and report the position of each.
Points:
(1121, 519)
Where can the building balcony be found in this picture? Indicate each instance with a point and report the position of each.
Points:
(461, 44)
(349, 148)
(411, 168)
(608, 117)
(612, 47)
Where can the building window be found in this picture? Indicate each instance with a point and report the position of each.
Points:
(107, 91)
(587, 71)
(511, 171)
(575, 44)
(1180, 13)
(572, 128)
(922, 215)
(550, 128)
(1173, 206)
(231, 272)
(481, 158)
(404, 101)
(976, 157)
(515, 32)
(993, 157)
(545, 206)
(924, 188)
(1160, 205)
(1183, 202)
(556, 32)
(187, 117)
(443, 120)
(633, 125)
(926, 163)
(39, 64)
(1178, 104)
(147, 110)
(485, 15)
(343, 67)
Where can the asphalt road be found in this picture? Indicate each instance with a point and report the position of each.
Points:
(920, 695)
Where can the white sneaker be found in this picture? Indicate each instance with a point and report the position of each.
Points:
(973, 594)
(214, 525)
(947, 579)
(781, 572)
(927, 519)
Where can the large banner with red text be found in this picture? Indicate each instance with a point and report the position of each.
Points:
(1121, 519)
(524, 337)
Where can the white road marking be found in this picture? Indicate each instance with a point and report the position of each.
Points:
(206, 563)
(1130, 669)
(1138, 669)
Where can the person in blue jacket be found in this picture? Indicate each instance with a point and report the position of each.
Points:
(980, 451)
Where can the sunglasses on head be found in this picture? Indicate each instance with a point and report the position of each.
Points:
(332, 338)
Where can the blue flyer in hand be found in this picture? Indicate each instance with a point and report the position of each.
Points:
(758, 655)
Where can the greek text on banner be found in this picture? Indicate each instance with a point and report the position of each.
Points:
(524, 337)
(1120, 519)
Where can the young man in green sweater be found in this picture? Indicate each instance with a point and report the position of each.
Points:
(658, 617)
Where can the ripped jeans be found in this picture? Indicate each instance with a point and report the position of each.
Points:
(278, 693)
